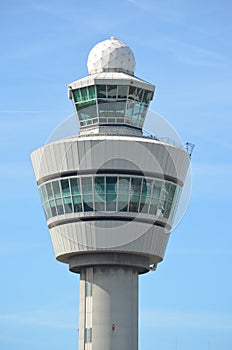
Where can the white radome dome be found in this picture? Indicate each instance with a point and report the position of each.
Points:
(111, 55)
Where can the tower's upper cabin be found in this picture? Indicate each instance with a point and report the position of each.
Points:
(111, 99)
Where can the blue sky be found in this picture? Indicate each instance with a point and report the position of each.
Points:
(185, 49)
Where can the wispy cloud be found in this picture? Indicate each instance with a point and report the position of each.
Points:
(164, 12)
(171, 319)
(188, 53)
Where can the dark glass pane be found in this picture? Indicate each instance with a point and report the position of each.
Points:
(77, 204)
(92, 92)
(122, 91)
(133, 207)
(53, 208)
(133, 93)
(77, 199)
(101, 91)
(76, 95)
(77, 207)
(88, 206)
(167, 209)
(148, 95)
(140, 94)
(111, 184)
(172, 192)
(160, 209)
(65, 187)
(75, 186)
(56, 189)
(122, 206)
(84, 94)
(49, 190)
(112, 91)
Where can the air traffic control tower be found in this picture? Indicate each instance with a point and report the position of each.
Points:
(110, 195)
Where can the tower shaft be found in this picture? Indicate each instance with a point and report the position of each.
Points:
(108, 316)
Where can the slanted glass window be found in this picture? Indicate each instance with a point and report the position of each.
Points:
(76, 95)
(101, 91)
(136, 185)
(49, 190)
(43, 193)
(167, 209)
(75, 185)
(47, 210)
(102, 108)
(111, 188)
(59, 206)
(123, 201)
(112, 91)
(68, 205)
(53, 207)
(56, 189)
(132, 93)
(156, 189)
(77, 204)
(65, 187)
(148, 95)
(111, 182)
(92, 92)
(84, 94)
(86, 185)
(122, 91)
(153, 205)
(110, 193)
(140, 93)
(172, 192)
(99, 193)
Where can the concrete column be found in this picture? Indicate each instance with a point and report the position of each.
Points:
(108, 308)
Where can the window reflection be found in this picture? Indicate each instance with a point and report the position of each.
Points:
(110, 193)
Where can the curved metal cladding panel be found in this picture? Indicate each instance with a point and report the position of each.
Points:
(114, 236)
(85, 156)
(91, 154)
